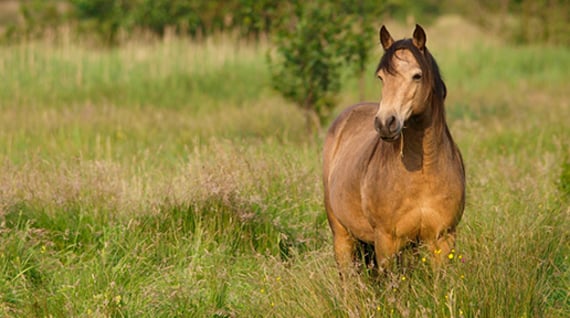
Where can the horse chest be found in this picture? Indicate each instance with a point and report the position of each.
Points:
(413, 206)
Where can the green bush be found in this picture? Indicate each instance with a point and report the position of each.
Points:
(103, 17)
(314, 46)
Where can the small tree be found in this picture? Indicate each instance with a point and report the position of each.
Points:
(314, 46)
(307, 70)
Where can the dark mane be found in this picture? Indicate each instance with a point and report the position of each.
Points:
(429, 68)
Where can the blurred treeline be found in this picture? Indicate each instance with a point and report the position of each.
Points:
(110, 21)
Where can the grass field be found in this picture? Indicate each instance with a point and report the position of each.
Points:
(168, 180)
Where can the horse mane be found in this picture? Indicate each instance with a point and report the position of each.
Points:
(430, 71)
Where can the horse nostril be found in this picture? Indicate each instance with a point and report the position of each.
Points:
(392, 124)
(377, 124)
(387, 127)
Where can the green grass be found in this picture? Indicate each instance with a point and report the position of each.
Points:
(167, 179)
(160, 75)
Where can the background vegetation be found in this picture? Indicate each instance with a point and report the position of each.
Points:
(165, 177)
(520, 21)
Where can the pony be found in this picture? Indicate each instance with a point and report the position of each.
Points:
(392, 174)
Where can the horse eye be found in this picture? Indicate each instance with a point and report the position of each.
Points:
(380, 78)
(417, 76)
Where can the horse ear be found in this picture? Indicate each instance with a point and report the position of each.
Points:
(385, 38)
(419, 38)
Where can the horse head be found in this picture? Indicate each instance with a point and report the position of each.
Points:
(409, 77)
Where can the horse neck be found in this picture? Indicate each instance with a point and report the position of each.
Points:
(426, 139)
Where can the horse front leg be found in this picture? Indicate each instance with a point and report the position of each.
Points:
(344, 245)
(385, 247)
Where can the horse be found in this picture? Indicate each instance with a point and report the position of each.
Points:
(393, 176)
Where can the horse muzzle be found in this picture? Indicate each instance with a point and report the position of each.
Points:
(389, 129)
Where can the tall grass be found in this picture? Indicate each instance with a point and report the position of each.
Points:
(167, 179)
(159, 75)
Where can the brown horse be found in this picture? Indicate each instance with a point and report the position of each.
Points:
(392, 173)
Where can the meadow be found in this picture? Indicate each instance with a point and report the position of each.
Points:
(167, 179)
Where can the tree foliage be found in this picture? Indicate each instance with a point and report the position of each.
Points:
(307, 70)
(524, 21)
(313, 47)
(196, 18)
(103, 16)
